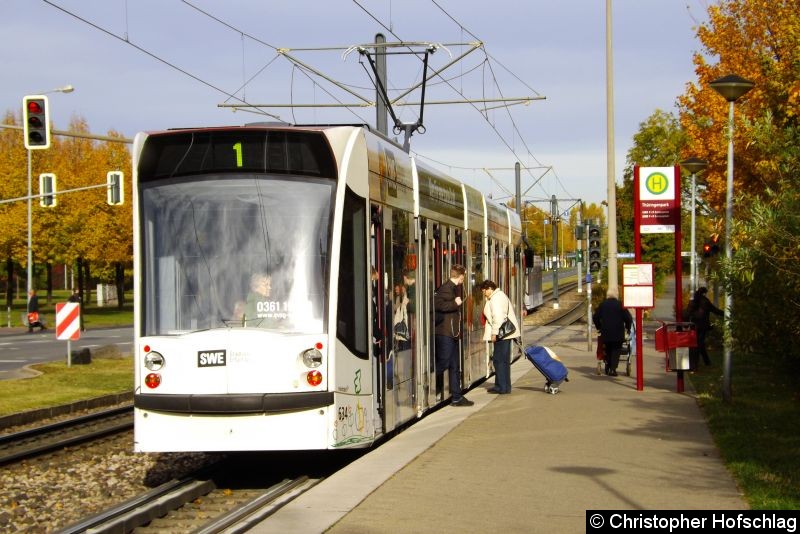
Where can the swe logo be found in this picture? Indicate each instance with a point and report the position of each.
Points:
(211, 358)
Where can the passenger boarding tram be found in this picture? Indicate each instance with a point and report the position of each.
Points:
(284, 286)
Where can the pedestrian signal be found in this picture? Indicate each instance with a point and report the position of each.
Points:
(47, 190)
(36, 122)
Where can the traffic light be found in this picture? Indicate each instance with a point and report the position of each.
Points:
(594, 248)
(116, 193)
(714, 244)
(47, 187)
(36, 122)
(711, 246)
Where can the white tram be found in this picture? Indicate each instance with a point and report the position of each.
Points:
(350, 235)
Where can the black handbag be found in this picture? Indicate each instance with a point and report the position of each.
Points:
(401, 331)
(507, 328)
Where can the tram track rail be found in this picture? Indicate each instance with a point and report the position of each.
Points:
(195, 504)
(50, 438)
(550, 321)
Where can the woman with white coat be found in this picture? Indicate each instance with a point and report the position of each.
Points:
(498, 307)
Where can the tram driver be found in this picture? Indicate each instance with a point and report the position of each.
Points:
(260, 310)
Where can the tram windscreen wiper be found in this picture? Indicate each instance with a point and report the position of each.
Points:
(238, 321)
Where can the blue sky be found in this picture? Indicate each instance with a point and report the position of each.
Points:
(537, 48)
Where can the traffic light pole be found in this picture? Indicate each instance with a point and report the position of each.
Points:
(53, 193)
(30, 232)
(30, 198)
(555, 218)
(579, 246)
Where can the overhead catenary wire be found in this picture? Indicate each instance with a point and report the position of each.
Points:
(149, 53)
(492, 126)
(449, 81)
(513, 122)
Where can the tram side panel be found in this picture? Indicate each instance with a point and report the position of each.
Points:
(355, 418)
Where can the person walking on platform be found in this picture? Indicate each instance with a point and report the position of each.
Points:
(447, 305)
(497, 309)
(700, 310)
(613, 321)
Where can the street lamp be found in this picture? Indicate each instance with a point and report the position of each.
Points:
(65, 89)
(694, 166)
(731, 87)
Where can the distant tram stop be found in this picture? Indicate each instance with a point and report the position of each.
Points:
(676, 340)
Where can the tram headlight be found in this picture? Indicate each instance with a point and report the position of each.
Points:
(312, 358)
(154, 361)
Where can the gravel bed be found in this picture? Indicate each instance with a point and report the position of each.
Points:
(51, 492)
(54, 491)
(546, 312)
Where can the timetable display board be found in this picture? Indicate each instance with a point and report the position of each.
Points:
(638, 285)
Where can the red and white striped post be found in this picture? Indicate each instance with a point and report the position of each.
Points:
(68, 325)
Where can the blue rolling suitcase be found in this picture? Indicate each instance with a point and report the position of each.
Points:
(552, 369)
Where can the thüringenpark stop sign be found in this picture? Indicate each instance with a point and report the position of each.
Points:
(659, 200)
(657, 210)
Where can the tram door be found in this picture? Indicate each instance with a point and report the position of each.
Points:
(381, 315)
(399, 257)
(478, 355)
(457, 256)
(444, 246)
(431, 278)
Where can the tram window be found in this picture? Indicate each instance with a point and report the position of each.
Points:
(204, 239)
(352, 306)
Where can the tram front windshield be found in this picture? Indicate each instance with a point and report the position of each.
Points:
(235, 251)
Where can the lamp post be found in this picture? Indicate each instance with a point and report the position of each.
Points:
(65, 89)
(694, 166)
(731, 87)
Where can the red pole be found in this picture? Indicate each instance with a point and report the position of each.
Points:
(678, 264)
(637, 247)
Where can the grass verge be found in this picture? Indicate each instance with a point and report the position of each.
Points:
(94, 316)
(60, 384)
(758, 434)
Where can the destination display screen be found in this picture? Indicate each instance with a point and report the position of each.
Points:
(249, 150)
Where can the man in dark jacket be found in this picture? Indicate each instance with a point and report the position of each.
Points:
(447, 305)
(700, 310)
(612, 320)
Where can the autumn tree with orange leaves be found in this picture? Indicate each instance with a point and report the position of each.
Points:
(758, 40)
(82, 229)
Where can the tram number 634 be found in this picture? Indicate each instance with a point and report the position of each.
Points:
(345, 412)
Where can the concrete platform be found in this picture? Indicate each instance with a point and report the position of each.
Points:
(530, 461)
